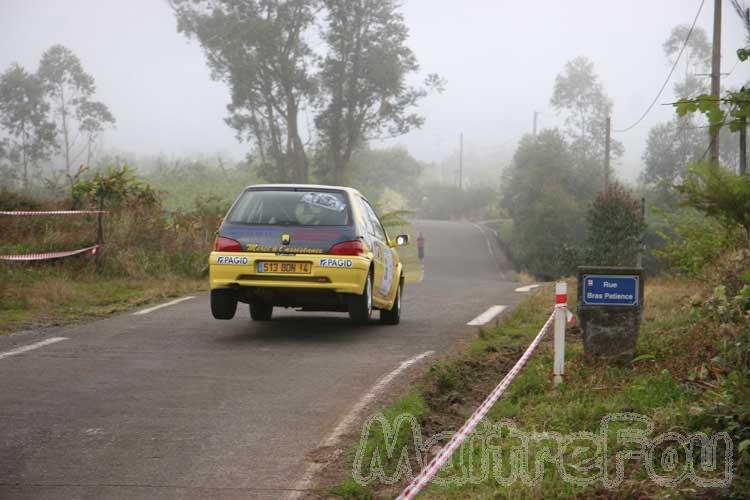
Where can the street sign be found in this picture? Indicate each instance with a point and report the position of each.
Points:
(610, 290)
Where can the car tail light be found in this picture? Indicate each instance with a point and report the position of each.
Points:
(354, 247)
(223, 244)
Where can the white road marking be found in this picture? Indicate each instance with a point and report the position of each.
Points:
(306, 482)
(527, 288)
(167, 304)
(489, 245)
(487, 316)
(31, 347)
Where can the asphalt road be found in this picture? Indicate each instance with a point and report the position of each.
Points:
(174, 404)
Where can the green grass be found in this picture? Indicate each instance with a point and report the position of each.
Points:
(661, 384)
(50, 295)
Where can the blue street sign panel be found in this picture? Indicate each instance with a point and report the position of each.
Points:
(610, 290)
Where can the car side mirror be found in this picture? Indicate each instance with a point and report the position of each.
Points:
(400, 240)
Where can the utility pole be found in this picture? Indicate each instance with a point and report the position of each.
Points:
(743, 147)
(536, 122)
(716, 74)
(461, 164)
(607, 153)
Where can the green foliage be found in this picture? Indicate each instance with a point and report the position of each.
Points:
(363, 79)
(733, 108)
(692, 241)
(351, 490)
(358, 90)
(719, 193)
(579, 94)
(696, 57)
(24, 117)
(540, 195)
(10, 200)
(184, 183)
(670, 148)
(442, 202)
(70, 90)
(259, 48)
(376, 170)
(114, 186)
(615, 228)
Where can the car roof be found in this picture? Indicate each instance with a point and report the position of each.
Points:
(305, 186)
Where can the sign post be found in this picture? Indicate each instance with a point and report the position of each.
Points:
(610, 303)
(561, 317)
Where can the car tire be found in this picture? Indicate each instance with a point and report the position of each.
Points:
(392, 316)
(260, 311)
(223, 304)
(360, 306)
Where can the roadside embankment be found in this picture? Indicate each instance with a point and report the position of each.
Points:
(687, 383)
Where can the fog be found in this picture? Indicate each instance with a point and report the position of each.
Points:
(499, 59)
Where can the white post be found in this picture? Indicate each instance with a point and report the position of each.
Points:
(561, 317)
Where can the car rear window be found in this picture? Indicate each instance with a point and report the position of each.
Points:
(291, 208)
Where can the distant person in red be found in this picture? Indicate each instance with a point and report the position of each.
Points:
(420, 246)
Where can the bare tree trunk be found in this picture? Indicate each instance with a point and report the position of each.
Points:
(25, 160)
(66, 136)
(295, 147)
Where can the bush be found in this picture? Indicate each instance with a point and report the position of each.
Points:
(447, 202)
(719, 193)
(615, 228)
(692, 241)
(141, 239)
(10, 200)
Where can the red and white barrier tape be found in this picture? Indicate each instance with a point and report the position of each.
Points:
(53, 212)
(437, 463)
(49, 256)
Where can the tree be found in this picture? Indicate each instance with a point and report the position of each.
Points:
(670, 147)
(70, 89)
(7, 174)
(579, 94)
(375, 170)
(539, 194)
(259, 48)
(24, 116)
(673, 145)
(363, 79)
(696, 58)
(93, 118)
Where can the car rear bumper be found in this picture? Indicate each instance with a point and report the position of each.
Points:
(332, 273)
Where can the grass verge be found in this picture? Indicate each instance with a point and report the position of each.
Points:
(687, 378)
(34, 296)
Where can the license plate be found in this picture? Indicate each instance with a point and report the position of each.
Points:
(284, 267)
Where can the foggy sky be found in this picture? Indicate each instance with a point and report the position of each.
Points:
(499, 58)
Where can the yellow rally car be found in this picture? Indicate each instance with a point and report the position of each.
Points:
(318, 248)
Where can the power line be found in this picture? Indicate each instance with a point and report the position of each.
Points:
(671, 72)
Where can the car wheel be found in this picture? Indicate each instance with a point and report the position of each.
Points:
(360, 306)
(223, 304)
(393, 315)
(260, 311)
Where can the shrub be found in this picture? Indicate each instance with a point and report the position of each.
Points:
(719, 193)
(615, 228)
(692, 241)
(10, 200)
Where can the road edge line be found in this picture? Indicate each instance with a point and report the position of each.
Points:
(487, 316)
(31, 347)
(489, 244)
(304, 484)
(160, 306)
